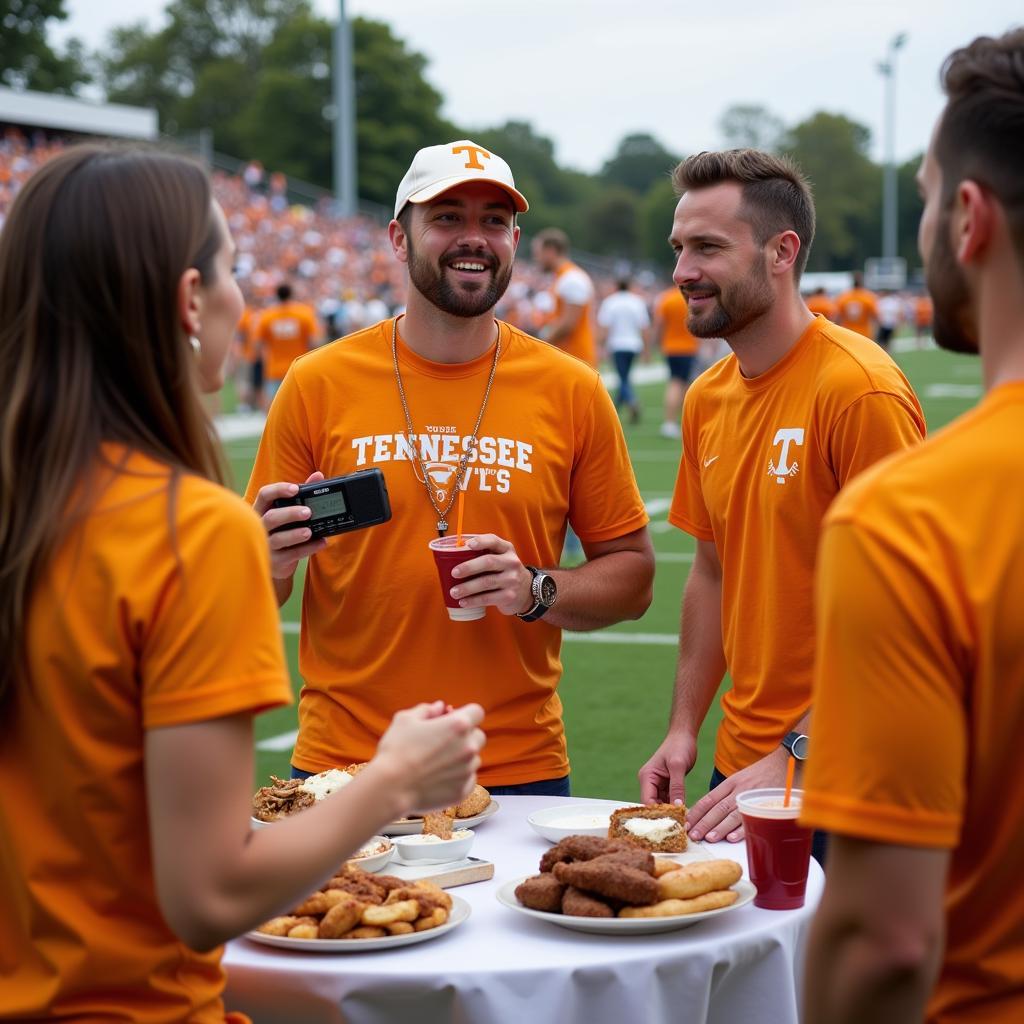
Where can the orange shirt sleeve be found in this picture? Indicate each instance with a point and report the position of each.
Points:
(688, 511)
(888, 732)
(604, 500)
(205, 638)
(286, 451)
(876, 425)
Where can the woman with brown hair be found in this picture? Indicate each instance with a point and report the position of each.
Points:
(137, 620)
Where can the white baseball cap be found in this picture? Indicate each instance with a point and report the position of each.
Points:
(436, 169)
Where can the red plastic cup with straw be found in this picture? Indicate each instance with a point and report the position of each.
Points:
(778, 847)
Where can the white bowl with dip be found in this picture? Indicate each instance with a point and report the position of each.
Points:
(555, 823)
(427, 849)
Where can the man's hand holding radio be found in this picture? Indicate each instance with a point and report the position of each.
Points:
(289, 547)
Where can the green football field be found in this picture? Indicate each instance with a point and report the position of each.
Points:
(617, 683)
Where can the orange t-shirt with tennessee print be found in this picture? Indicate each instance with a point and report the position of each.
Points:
(375, 634)
(919, 686)
(671, 312)
(573, 287)
(762, 460)
(131, 627)
(285, 331)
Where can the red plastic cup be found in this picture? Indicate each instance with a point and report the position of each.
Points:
(778, 849)
(446, 556)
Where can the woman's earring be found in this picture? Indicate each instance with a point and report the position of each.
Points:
(194, 342)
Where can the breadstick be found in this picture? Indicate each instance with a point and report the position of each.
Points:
(672, 908)
(694, 879)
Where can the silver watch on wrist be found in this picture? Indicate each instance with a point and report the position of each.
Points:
(544, 591)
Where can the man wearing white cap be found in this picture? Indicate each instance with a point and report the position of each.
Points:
(443, 400)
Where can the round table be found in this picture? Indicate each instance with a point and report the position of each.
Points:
(500, 967)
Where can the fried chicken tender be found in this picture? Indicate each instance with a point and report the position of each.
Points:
(320, 902)
(366, 931)
(476, 803)
(341, 918)
(577, 903)
(662, 866)
(309, 930)
(360, 887)
(381, 917)
(279, 925)
(390, 882)
(541, 892)
(400, 928)
(610, 878)
(433, 920)
(574, 848)
(426, 894)
(672, 908)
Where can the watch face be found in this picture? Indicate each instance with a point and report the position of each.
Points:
(548, 590)
(799, 747)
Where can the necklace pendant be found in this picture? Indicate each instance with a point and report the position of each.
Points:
(442, 527)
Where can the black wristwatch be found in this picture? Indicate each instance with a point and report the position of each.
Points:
(796, 744)
(544, 591)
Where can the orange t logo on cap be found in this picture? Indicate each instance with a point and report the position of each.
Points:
(472, 156)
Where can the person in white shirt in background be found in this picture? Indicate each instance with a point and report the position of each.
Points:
(624, 332)
(890, 316)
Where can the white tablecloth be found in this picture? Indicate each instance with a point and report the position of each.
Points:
(500, 967)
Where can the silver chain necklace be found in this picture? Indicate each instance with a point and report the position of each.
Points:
(470, 447)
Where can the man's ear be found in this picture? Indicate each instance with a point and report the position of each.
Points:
(784, 252)
(190, 301)
(973, 221)
(397, 237)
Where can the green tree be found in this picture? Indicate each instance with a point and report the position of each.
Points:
(656, 212)
(639, 161)
(611, 224)
(832, 151)
(751, 126)
(910, 207)
(27, 61)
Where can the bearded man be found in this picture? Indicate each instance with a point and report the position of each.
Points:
(446, 399)
(771, 434)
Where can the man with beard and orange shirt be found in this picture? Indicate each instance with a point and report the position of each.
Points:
(442, 399)
(571, 327)
(771, 433)
(919, 683)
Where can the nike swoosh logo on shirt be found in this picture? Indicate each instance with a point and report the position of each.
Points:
(707, 462)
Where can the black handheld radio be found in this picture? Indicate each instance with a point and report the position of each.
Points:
(341, 504)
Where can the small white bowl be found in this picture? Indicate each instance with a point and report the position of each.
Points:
(413, 850)
(256, 823)
(375, 861)
(556, 823)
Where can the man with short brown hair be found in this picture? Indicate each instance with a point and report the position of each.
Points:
(571, 328)
(770, 435)
(919, 682)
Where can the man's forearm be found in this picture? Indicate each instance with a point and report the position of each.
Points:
(701, 655)
(605, 590)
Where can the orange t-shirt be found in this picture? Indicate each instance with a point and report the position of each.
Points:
(129, 628)
(919, 686)
(762, 460)
(923, 311)
(824, 305)
(857, 310)
(670, 313)
(286, 331)
(573, 287)
(246, 334)
(375, 635)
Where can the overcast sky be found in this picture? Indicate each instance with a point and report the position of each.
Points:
(587, 72)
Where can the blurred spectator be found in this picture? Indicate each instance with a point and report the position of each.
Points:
(857, 308)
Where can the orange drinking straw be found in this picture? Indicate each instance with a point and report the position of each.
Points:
(459, 542)
(790, 768)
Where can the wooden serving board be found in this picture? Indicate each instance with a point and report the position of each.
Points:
(447, 876)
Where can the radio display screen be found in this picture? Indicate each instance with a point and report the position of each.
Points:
(325, 505)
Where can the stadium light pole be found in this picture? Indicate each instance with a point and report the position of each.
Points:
(345, 193)
(890, 209)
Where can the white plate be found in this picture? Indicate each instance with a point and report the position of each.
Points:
(544, 822)
(622, 925)
(410, 826)
(459, 912)
(378, 860)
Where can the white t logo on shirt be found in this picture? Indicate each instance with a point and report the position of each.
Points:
(783, 469)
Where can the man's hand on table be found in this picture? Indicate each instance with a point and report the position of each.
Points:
(663, 777)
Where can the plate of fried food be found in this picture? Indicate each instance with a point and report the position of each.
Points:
(476, 808)
(288, 796)
(357, 912)
(603, 886)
